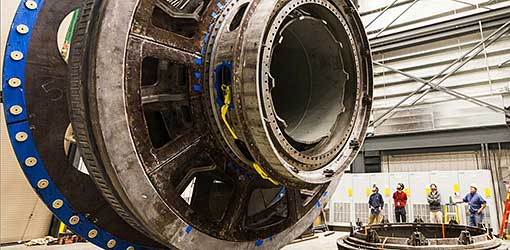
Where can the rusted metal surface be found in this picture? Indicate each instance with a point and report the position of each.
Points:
(169, 165)
(46, 87)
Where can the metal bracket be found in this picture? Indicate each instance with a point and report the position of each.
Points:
(373, 237)
(328, 172)
(465, 238)
(453, 222)
(354, 144)
(507, 115)
(417, 239)
(418, 220)
(385, 220)
(359, 223)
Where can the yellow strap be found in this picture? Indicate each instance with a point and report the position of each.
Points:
(263, 174)
(446, 217)
(384, 242)
(457, 213)
(224, 108)
(224, 111)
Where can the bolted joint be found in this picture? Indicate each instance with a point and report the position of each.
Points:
(354, 144)
(328, 172)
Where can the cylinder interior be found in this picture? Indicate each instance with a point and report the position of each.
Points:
(309, 80)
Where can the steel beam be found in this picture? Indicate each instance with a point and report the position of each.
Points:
(470, 4)
(504, 62)
(440, 30)
(402, 2)
(396, 18)
(502, 30)
(453, 93)
(381, 13)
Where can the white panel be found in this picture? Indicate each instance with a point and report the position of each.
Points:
(394, 179)
(342, 190)
(465, 160)
(382, 181)
(483, 179)
(360, 184)
(418, 205)
(336, 207)
(360, 199)
(417, 183)
(445, 184)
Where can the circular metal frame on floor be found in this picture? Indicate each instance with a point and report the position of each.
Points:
(419, 236)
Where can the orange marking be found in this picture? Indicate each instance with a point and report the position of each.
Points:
(384, 242)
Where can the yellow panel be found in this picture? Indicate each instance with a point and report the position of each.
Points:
(456, 187)
(387, 191)
(406, 190)
(318, 221)
(487, 192)
(367, 191)
(61, 228)
(349, 192)
(427, 191)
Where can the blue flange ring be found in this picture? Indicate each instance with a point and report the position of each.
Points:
(18, 127)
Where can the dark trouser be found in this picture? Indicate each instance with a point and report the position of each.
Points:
(400, 214)
(475, 219)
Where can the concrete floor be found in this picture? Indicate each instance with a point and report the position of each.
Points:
(75, 246)
(323, 243)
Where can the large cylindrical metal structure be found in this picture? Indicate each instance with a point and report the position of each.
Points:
(201, 123)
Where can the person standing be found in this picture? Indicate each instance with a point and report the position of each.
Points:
(376, 203)
(400, 200)
(476, 206)
(434, 199)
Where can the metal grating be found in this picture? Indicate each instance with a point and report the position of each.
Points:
(486, 218)
(385, 212)
(361, 212)
(342, 212)
(422, 211)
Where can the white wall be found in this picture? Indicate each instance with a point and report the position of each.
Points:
(350, 200)
(480, 78)
(22, 215)
(449, 161)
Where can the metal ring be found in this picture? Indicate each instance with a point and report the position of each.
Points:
(26, 152)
